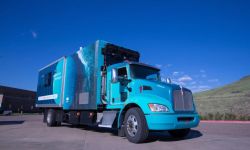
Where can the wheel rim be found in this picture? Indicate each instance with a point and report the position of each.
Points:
(49, 117)
(132, 125)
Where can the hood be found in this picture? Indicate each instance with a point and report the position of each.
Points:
(157, 88)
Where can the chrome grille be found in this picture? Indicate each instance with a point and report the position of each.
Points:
(183, 100)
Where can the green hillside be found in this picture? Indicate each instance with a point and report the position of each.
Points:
(232, 99)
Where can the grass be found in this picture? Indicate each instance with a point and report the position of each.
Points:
(231, 102)
(225, 116)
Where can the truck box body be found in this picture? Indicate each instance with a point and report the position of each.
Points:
(74, 82)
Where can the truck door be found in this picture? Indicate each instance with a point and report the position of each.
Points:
(118, 93)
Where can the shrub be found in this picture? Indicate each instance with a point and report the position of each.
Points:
(218, 116)
(225, 116)
(210, 116)
(243, 117)
(203, 117)
(229, 116)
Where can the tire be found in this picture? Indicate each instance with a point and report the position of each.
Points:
(51, 118)
(136, 129)
(180, 133)
(58, 123)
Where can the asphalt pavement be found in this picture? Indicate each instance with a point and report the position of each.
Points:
(28, 132)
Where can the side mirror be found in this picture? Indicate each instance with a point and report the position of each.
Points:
(114, 75)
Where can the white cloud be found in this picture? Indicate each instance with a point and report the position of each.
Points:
(158, 65)
(34, 34)
(202, 71)
(203, 86)
(213, 80)
(200, 88)
(168, 65)
(178, 82)
(192, 83)
(203, 75)
(175, 73)
(182, 83)
(185, 78)
(193, 87)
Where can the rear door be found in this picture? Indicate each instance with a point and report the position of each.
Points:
(51, 84)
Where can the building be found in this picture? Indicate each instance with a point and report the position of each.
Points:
(17, 100)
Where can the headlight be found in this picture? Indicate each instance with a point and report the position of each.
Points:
(158, 108)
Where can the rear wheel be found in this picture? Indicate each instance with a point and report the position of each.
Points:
(180, 133)
(51, 118)
(136, 129)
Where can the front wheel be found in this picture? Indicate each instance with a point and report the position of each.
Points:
(136, 129)
(180, 133)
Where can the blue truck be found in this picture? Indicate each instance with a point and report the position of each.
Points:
(105, 85)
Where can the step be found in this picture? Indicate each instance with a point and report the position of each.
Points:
(108, 119)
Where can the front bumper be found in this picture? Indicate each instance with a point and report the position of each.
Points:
(164, 121)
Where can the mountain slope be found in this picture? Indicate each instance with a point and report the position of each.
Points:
(233, 99)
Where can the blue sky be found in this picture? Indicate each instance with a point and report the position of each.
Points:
(200, 44)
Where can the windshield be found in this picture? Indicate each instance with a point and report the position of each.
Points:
(144, 72)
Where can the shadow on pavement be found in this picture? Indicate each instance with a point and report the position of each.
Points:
(113, 132)
(11, 122)
(165, 136)
(153, 136)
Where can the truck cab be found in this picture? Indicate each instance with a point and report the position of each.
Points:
(165, 106)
